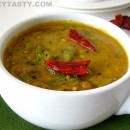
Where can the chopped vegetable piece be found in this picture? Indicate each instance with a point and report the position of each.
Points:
(38, 55)
(42, 55)
(71, 68)
(65, 54)
(122, 21)
(78, 38)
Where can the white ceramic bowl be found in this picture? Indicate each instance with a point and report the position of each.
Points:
(60, 109)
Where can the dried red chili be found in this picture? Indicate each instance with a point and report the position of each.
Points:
(78, 38)
(118, 20)
(71, 68)
(122, 21)
(126, 22)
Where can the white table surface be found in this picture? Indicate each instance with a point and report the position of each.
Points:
(9, 16)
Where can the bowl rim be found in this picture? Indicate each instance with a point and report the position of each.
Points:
(91, 91)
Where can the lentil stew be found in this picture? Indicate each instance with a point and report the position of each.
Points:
(27, 53)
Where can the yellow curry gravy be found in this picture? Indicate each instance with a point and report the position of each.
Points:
(27, 52)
